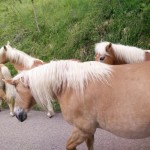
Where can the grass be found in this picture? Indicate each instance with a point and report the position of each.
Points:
(70, 28)
(56, 107)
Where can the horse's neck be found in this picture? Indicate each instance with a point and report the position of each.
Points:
(19, 68)
(22, 61)
(18, 57)
(127, 54)
(119, 62)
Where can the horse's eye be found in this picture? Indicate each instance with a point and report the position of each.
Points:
(102, 58)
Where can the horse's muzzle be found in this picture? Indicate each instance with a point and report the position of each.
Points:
(21, 115)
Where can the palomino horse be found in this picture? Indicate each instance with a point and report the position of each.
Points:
(21, 61)
(6, 90)
(91, 95)
(116, 54)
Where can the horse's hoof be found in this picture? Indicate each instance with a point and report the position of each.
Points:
(50, 115)
(12, 114)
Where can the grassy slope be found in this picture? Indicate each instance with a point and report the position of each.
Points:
(70, 28)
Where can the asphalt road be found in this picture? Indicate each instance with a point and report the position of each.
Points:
(41, 133)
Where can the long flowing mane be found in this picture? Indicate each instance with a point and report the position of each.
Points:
(51, 78)
(9, 89)
(130, 54)
(18, 57)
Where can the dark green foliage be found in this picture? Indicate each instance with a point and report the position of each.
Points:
(4, 105)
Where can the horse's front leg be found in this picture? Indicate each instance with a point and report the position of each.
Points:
(51, 112)
(11, 103)
(90, 142)
(77, 137)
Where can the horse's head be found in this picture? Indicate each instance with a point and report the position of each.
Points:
(106, 55)
(3, 53)
(23, 98)
(3, 57)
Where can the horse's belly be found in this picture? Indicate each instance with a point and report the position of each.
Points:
(130, 131)
(127, 117)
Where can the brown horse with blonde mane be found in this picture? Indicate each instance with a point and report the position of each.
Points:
(116, 54)
(21, 61)
(91, 95)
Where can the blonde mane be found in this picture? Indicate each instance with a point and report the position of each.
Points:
(18, 57)
(47, 80)
(9, 89)
(129, 54)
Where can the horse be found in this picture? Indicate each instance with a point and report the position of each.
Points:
(116, 54)
(6, 90)
(21, 61)
(91, 95)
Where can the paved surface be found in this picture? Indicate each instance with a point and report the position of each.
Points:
(41, 133)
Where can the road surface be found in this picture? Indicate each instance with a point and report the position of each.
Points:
(41, 133)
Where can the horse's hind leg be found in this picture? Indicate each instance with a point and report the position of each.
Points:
(51, 112)
(78, 137)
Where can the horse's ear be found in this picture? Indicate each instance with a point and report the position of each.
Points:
(5, 48)
(25, 82)
(108, 47)
(10, 81)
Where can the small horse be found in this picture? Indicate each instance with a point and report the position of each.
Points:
(6, 90)
(21, 61)
(91, 95)
(116, 54)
